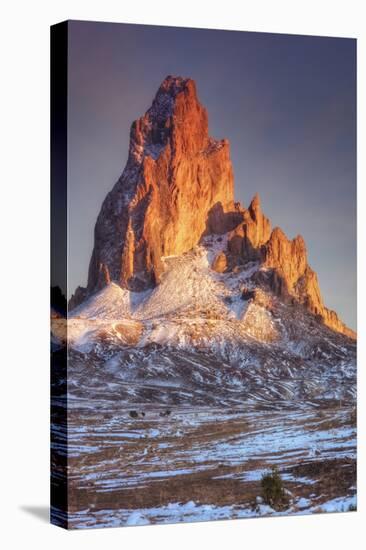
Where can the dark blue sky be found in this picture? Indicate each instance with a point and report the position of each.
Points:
(286, 103)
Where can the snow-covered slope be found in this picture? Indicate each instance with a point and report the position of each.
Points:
(192, 306)
(113, 302)
(189, 288)
(209, 337)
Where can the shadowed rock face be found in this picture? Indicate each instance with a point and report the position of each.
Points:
(175, 174)
(246, 240)
(176, 188)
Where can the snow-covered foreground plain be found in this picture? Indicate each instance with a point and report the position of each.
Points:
(177, 512)
(196, 464)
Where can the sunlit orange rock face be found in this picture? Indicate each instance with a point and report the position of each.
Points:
(288, 258)
(177, 185)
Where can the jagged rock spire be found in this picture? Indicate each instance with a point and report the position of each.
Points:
(175, 175)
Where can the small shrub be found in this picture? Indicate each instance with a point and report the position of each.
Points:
(133, 414)
(273, 492)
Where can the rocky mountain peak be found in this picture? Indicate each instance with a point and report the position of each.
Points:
(177, 188)
(176, 119)
(173, 85)
(177, 185)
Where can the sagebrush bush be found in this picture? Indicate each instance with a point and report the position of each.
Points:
(273, 492)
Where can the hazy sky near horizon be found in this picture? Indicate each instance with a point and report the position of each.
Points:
(286, 103)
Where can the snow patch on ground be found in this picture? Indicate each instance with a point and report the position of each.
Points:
(191, 511)
(339, 504)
